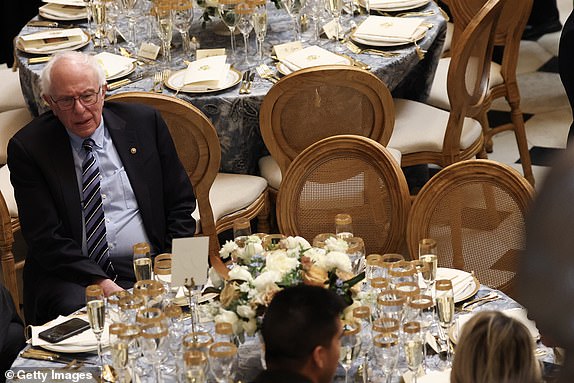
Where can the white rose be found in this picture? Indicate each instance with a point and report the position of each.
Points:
(336, 244)
(265, 279)
(241, 273)
(250, 327)
(245, 311)
(280, 262)
(337, 260)
(296, 243)
(228, 248)
(229, 317)
(253, 239)
(215, 278)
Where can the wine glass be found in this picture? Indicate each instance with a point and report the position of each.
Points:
(335, 7)
(445, 310)
(221, 358)
(421, 307)
(153, 345)
(260, 25)
(142, 261)
(428, 254)
(413, 345)
(195, 365)
(402, 271)
(112, 14)
(356, 253)
(362, 315)
(226, 10)
(96, 308)
(391, 304)
(245, 24)
(388, 260)
(182, 19)
(129, 335)
(164, 29)
(162, 273)
(350, 346)
(386, 347)
(293, 8)
(129, 7)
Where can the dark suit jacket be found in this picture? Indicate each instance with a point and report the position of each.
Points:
(48, 198)
(11, 332)
(566, 65)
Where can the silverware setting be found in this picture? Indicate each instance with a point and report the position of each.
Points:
(377, 52)
(473, 304)
(266, 73)
(39, 59)
(118, 84)
(408, 14)
(77, 362)
(245, 83)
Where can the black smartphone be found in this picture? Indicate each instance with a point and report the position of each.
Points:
(64, 330)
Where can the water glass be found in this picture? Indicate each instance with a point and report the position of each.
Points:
(195, 363)
(221, 358)
(386, 350)
(182, 19)
(260, 25)
(226, 9)
(343, 226)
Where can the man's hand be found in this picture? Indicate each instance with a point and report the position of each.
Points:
(108, 286)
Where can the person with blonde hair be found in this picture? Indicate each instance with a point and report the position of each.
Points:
(495, 348)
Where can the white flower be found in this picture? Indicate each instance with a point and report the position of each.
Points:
(244, 287)
(245, 311)
(228, 248)
(241, 273)
(337, 260)
(296, 243)
(250, 327)
(215, 278)
(254, 239)
(280, 262)
(229, 317)
(336, 244)
(316, 255)
(266, 279)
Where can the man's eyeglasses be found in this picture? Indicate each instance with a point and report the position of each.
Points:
(86, 99)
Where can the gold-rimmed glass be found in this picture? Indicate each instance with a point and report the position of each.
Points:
(150, 315)
(388, 260)
(386, 349)
(413, 345)
(118, 350)
(356, 253)
(153, 339)
(96, 308)
(343, 222)
(223, 332)
(113, 302)
(142, 261)
(420, 309)
(150, 291)
(320, 239)
(402, 271)
(129, 335)
(129, 306)
(221, 358)
(350, 346)
(374, 268)
(195, 363)
(386, 325)
(408, 290)
(428, 254)
(272, 241)
(391, 304)
(162, 273)
(444, 301)
(362, 315)
(226, 9)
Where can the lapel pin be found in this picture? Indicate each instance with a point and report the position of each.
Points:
(133, 150)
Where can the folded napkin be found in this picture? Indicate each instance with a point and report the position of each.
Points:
(390, 29)
(209, 72)
(78, 3)
(84, 339)
(312, 56)
(63, 11)
(435, 377)
(114, 64)
(47, 41)
(394, 4)
(519, 314)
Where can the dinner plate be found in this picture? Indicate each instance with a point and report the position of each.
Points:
(175, 82)
(123, 73)
(44, 11)
(184, 301)
(405, 6)
(464, 284)
(85, 41)
(389, 43)
(284, 70)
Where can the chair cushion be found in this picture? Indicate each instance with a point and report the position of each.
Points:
(448, 37)
(421, 128)
(11, 121)
(11, 96)
(232, 192)
(8, 191)
(438, 95)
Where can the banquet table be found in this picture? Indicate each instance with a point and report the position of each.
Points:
(235, 116)
(249, 360)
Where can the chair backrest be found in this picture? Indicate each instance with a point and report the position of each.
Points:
(198, 148)
(468, 73)
(346, 174)
(9, 225)
(311, 104)
(475, 210)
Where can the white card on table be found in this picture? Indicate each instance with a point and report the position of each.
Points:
(284, 50)
(148, 51)
(203, 53)
(189, 259)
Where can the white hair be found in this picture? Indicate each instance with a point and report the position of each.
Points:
(75, 57)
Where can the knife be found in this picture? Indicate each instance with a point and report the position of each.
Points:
(54, 357)
(49, 24)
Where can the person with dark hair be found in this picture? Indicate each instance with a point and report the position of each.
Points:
(301, 331)
(494, 347)
(11, 332)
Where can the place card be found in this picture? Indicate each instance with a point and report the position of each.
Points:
(148, 51)
(330, 29)
(209, 72)
(284, 50)
(204, 53)
(189, 260)
(63, 11)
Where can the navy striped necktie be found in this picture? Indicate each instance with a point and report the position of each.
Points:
(93, 208)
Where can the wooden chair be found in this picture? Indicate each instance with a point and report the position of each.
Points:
(475, 210)
(346, 174)
(311, 104)
(221, 198)
(502, 76)
(425, 134)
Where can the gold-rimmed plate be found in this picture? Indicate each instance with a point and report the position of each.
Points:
(397, 7)
(175, 82)
(421, 32)
(58, 12)
(284, 70)
(465, 285)
(129, 70)
(54, 47)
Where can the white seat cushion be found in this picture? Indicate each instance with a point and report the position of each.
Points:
(8, 191)
(11, 121)
(232, 192)
(448, 38)
(438, 94)
(270, 169)
(421, 128)
(11, 96)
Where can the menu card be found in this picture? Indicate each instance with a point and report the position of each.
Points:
(209, 72)
(382, 28)
(313, 56)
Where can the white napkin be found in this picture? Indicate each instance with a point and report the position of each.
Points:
(209, 72)
(390, 29)
(86, 338)
(519, 314)
(393, 4)
(41, 42)
(114, 64)
(435, 377)
(78, 3)
(312, 56)
(64, 11)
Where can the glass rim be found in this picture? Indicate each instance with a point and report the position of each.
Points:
(443, 284)
(191, 343)
(386, 325)
(409, 293)
(362, 312)
(380, 340)
(343, 219)
(224, 328)
(194, 357)
(222, 349)
(153, 335)
(379, 283)
(412, 327)
(94, 291)
(421, 301)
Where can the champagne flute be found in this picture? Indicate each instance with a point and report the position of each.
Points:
(142, 261)
(293, 8)
(195, 364)
(96, 308)
(362, 315)
(112, 14)
(335, 7)
(153, 345)
(164, 29)
(119, 350)
(386, 347)
(445, 310)
(422, 308)
(99, 15)
(428, 254)
(129, 335)
(226, 10)
(129, 7)
(221, 358)
(260, 25)
(350, 346)
(182, 19)
(413, 345)
(245, 24)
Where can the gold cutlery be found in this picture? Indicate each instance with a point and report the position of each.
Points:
(471, 305)
(38, 354)
(123, 82)
(251, 78)
(164, 77)
(156, 81)
(39, 59)
(244, 82)
(357, 50)
(266, 73)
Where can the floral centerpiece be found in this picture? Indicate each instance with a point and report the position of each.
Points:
(259, 273)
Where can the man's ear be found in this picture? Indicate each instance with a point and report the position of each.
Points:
(318, 356)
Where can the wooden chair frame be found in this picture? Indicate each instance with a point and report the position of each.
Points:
(8, 226)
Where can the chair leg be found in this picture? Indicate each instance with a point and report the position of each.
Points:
(483, 120)
(263, 219)
(521, 141)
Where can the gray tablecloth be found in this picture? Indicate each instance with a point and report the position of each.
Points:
(236, 117)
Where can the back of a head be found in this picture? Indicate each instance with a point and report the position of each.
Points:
(298, 319)
(495, 348)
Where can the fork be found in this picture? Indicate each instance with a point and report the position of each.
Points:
(265, 72)
(164, 76)
(156, 81)
(357, 50)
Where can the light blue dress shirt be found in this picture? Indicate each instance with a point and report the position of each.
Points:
(124, 225)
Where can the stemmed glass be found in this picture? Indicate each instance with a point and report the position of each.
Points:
(129, 335)
(226, 9)
(413, 345)
(221, 358)
(386, 346)
(245, 24)
(428, 255)
(142, 261)
(129, 7)
(119, 350)
(182, 19)
(293, 7)
(164, 28)
(445, 311)
(356, 253)
(421, 307)
(362, 315)
(350, 346)
(96, 308)
(195, 364)
(153, 345)
(99, 16)
(89, 14)
(260, 25)
(335, 7)
(112, 14)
